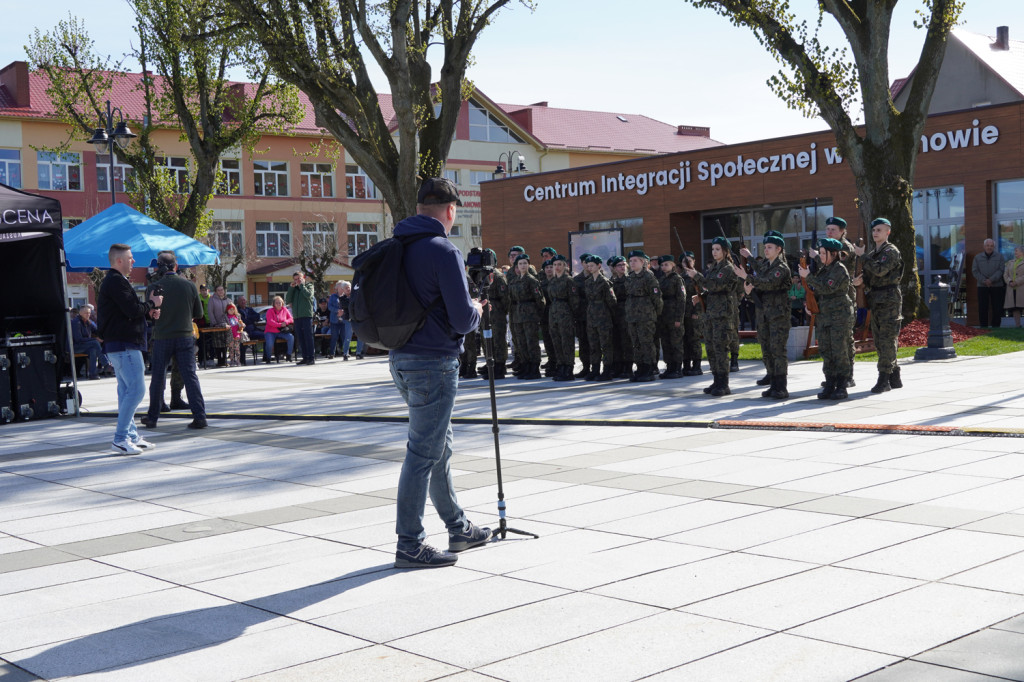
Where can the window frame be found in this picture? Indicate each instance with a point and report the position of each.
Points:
(283, 237)
(325, 174)
(261, 174)
(51, 160)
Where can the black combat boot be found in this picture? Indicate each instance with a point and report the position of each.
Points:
(177, 403)
(673, 371)
(499, 372)
(594, 373)
(550, 368)
(840, 392)
(608, 374)
(734, 363)
(894, 379)
(646, 372)
(830, 387)
(780, 392)
(773, 383)
(882, 385)
(714, 384)
(532, 371)
(723, 386)
(766, 380)
(695, 370)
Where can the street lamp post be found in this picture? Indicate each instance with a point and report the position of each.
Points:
(105, 137)
(510, 162)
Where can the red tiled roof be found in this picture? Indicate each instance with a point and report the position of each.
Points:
(600, 130)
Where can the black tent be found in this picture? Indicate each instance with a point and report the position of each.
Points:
(32, 279)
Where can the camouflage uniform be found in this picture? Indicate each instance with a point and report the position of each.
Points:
(600, 304)
(643, 305)
(734, 337)
(771, 280)
(620, 332)
(849, 258)
(721, 315)
(527, 305)
(497, 296)
(883, 270)
(834, 321)
(691, 329)
(470, 342)
(580, 310)
(670, 322)
(562, 295)
(545, 332)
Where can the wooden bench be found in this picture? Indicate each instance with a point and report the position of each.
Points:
(250, 344)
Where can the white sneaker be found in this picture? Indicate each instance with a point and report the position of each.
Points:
(126, 448)
(144, 444)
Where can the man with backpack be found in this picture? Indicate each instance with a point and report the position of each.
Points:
(426, 373)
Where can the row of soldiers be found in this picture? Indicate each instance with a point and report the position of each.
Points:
(624, 320)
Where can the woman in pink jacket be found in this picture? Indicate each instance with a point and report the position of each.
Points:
(278, 317)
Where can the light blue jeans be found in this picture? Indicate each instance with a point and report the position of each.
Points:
(270, 338)
(131, 389)
(428, 385)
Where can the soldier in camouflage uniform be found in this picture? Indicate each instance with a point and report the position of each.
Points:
(643, 305)
(527, 306)
(769, 286)
(835, 228)
(734, 338)
(561, 295)
(720, 317)
(497, 296)
(547, 254)
(834, 321)
(581, 316)
(883, 271)
(620, 331)
(692, 350)
(670, 322)
(513, 253)
(470, 342)
(601, 303)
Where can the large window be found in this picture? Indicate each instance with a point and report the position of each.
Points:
(632, 230)
(939, 230)
(361, 236)
(231, 177)
(177, 170)
(59, 171)
(1009, 215)
(10, 167)
(319, 237)
(270, 178)
(452, 175)
(476, 177)
(273, 240)
(226, 236)
(796, 222)
(358, 185)
(122, 173)
(317, 180)
(483, 127)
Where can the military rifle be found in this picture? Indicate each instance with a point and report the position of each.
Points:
(699, 295)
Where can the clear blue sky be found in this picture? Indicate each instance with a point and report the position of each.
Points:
(662, 59)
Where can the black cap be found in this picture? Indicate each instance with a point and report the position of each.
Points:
(438, 191)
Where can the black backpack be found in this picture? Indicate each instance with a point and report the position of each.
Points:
(382, 307)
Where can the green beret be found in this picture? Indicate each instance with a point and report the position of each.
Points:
(666, 259)
(594, 259)
(548, 249)
(688, 254)
(549, 262)
(830, 244)
(584, 257)
(493, 255)
(774, 239)
(522, 256)
(615, 260)
(639, 253)
(880, 221)
(772, 233)
(516, 248)
(723, 242)
(835, 220)
(559, 257)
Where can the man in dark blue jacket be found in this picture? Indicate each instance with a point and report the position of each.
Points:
(426, 372)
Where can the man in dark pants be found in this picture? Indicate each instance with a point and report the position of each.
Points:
(426, 372)
(987, 269)
(300, 297)
(172, 337)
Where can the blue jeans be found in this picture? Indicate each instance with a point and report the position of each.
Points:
(131, 389)
(93, 348)
(359, 346)
(270, 338)
(184, 351)
(428, 385)
(304, 333)
(343, 331)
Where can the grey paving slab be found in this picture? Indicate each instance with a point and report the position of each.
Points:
(34, 558)
(839, 541)
(989, 652)
(54, 574)
(755, 529)
(112, 544)
(914, 671)
(848, 505)
(590, 514)
(771, 497)
(372, 662)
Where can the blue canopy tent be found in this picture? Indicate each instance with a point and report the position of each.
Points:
(86, 246)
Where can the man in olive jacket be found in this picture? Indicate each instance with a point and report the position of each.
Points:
(172, 336)
(303, 302)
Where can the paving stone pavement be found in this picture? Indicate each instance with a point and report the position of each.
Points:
(262, 547)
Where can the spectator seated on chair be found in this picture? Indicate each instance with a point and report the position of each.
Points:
(278, 317)
(84, 341)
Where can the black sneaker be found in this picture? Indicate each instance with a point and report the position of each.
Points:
(458, 542)
(424, 556)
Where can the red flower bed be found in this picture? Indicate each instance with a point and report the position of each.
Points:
(916, 333)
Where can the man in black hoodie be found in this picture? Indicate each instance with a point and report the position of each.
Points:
(121, 320)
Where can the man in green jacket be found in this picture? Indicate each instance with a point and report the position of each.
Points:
(300, 297)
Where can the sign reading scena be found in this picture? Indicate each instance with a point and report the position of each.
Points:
(714, 173)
